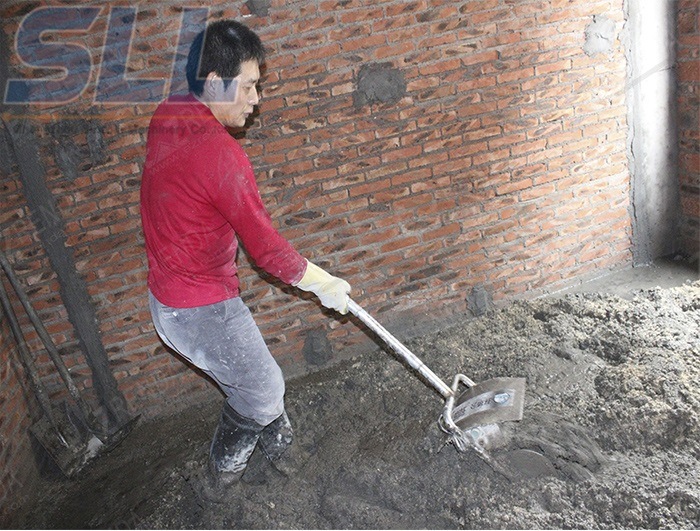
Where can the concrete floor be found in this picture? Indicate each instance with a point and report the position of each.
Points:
(610, 438)
(663, 273)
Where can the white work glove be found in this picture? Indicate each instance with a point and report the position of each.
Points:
(332, 291)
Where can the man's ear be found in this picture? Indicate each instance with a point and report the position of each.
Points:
(210, 86)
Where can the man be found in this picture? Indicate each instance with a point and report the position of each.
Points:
(198, 199)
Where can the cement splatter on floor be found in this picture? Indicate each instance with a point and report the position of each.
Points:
(610, 437)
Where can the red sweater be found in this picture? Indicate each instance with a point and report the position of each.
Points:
(198, 197)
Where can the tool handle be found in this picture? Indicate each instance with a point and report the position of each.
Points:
(26, 358)
(400, 349)
(48, 342)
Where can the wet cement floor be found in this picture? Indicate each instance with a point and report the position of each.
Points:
(610, 436)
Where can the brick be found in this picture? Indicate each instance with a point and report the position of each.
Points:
(508, 140)
(490, 156)
(688, 71)
(440, 67)
(528, 147)
(492, 15)
(480, 57)
(537, 192)
(483, 132)
(393, 49)
(476, 109)
(372, 237)
(399, 244)
(515, 75)
(563, 65)
(513, 187)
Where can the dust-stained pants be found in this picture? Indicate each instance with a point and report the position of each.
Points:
(223, 341)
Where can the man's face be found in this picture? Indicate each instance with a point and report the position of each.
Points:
(233, 104)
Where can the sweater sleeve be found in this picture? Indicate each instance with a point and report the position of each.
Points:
(235, 194)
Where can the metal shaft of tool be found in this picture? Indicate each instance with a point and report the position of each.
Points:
(400, 349)
(48, 343)
(27, 360)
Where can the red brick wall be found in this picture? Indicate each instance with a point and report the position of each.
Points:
(17, 465)
(688, 71)
(503, 166)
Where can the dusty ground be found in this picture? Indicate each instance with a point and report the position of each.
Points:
(610, 437)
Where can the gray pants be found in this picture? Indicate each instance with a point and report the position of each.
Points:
(223, 341)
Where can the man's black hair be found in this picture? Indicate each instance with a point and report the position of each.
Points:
(221, 48)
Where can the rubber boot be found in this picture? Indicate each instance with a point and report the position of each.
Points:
(234, 440)
(276, 444)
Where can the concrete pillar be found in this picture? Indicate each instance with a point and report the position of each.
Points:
(652, 149)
